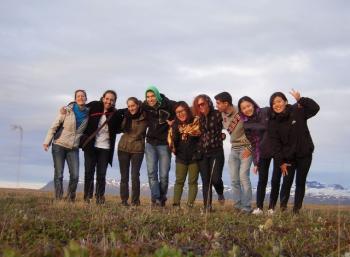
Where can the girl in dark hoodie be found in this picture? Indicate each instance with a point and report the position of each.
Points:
(255, 122)
(159, 113)
(292, 145)
(211, 148)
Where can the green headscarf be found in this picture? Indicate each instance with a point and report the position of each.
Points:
(155, 92)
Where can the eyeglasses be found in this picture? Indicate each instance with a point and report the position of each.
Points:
(180, 111)
(202, 104)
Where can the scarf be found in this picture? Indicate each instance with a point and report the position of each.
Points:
(80, 113)
(129, 117)
(185, 130)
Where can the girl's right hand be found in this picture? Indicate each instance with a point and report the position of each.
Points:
(46, 147)
(284, 168)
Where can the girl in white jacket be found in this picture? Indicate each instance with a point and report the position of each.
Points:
(64, 134)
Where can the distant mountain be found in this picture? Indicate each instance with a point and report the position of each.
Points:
(316, 192)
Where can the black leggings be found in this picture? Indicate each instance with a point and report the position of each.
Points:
(206, 166)
(301, 168)
(263, 172)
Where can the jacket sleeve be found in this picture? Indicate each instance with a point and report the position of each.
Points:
(248, 133)
(52, 130)
(310, 107)
(276, 144)
(119, 117)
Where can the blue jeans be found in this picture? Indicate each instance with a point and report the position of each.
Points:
(158, 159)
(240, 180)
(61, 154)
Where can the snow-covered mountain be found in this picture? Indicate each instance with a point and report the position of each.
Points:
(316, 192)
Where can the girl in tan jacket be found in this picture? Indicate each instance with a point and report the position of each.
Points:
(64, 134)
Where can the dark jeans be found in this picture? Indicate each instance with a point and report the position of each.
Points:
(125, 159)
(300, 167)
(263, 172)
(211, 175)
(61, 154)
(96, 159)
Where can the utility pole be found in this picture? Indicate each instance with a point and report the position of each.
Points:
(20, 129)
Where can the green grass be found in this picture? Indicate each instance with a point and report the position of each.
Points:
(32, 224)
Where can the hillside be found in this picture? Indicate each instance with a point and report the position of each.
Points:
(316, 192)
(33, 224)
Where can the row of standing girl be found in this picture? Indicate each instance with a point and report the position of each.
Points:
(195, 137)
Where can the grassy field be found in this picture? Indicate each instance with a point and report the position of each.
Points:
(32, 224)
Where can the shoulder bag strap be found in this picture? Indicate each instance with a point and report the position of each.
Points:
(97, 130)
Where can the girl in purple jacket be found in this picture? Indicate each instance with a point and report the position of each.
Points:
(255, 122)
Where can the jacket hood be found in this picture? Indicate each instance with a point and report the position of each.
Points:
(156, 93)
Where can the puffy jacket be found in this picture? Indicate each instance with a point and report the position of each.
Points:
(134, 140)
(289, 133)
(69, 135)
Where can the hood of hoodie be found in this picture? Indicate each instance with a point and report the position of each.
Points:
(156, 93)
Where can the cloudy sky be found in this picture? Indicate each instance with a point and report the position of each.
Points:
(48, 49)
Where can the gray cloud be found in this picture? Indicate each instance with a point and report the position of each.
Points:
(185, 48)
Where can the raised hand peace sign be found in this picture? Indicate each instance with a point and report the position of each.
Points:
(295, 94)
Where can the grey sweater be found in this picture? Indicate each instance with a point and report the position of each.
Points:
(234, 125)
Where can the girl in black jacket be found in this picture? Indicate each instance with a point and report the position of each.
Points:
(183, 138)
(98, 152)
(292, 145)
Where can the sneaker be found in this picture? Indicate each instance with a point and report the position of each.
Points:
(246, 211)
(221, 199)
(270, 212)
(257, 211)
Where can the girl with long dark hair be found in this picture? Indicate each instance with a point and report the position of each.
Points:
(183, 138)
(292, 144)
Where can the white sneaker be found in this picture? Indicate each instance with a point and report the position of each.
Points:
(271, 212)
(257, 211)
